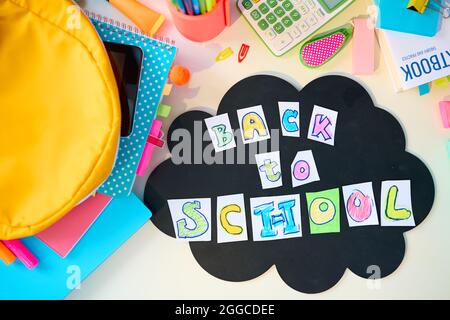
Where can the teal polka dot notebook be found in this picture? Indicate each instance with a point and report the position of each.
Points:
(140, 90)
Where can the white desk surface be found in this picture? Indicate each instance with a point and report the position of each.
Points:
(151, 265)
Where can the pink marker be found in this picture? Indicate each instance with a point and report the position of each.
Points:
(148, 149)
(22, 253)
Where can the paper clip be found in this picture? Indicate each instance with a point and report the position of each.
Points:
(442, 7)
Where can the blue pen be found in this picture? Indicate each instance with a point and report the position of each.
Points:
(196, 5)
(181, 6)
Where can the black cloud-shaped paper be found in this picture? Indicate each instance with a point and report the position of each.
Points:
(369, 146)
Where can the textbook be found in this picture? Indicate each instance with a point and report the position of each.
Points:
(414, 60)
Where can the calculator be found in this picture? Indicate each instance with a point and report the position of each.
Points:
(282, 24)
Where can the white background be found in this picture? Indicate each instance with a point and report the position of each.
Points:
(151, 265)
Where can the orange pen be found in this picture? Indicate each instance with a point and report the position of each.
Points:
(6, 255)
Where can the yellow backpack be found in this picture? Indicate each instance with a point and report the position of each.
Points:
(59, 113)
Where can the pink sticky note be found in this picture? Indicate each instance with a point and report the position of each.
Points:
(445, 113)
(363, 47)
(65, 234)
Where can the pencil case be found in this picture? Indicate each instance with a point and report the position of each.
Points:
(60, 113)
(202, 27)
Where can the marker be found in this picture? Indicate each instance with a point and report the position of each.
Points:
(181, 6)
(155, 131)
(196, 6)
(189, 7)
(243, 52)
(22, 253)
(6, 255)
(210, 5)
(202, 6)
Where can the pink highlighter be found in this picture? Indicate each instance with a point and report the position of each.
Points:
(154, 136)
(22, 253)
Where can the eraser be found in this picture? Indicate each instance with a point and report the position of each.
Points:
(363, 47)
(444, 106)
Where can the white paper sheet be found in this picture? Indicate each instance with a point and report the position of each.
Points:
(191, 218)
(231, 218)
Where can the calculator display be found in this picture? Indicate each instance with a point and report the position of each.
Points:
(330, 5)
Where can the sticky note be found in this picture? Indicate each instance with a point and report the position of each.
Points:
(424, 89)
(167, 89)
(359, 202)
(276, 218)
(191, 218)
(221, 133)
(441, 82)
(322, 126)
(289, 118)
(164, 110)
(363, 47)
(396, 207)
(65, 234)
(303, 169)
(253, 124)
(323, 211)
(269, 168)
(231, 218)
(444, 107)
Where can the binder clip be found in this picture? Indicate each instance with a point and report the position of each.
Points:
(443, 7)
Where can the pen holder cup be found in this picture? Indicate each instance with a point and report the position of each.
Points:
(204, 27)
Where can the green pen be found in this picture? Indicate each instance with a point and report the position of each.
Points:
(210, 5)
(202, 6)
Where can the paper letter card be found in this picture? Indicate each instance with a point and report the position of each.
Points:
(396, 207)
(289, 118)
(231, 221)
(303, 169)
(323, 211)
(276, 218)
(253, 124)
(221, 133)
(269, 168)
(191, 218)
(360, 205)
(323, 125)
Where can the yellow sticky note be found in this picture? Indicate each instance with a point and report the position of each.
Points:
(167, 89)
(441, 82)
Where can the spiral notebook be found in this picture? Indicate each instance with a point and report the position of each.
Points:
(141, 65)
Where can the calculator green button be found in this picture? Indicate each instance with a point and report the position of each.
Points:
(295, 15)
(263, 8)
(279, 11)
(271, 18)
(287, 21)
(255, 14)
(263, 24)
(278, 27)
(247, 4)
(287, 5)
(272, 3)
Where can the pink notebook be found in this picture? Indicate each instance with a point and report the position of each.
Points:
(65, 234)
